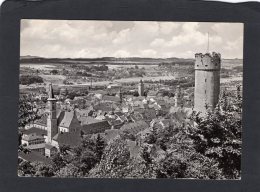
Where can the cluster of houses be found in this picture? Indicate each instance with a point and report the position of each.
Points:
(64, 124)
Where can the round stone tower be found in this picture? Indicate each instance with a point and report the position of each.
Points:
(207, 81)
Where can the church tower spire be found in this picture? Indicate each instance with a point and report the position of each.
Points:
(141, 88)
(52, 127)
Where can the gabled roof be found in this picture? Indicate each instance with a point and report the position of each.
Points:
(111, 98)
(89, 120)
(31, 137)
(33, 157)
(37, 131)
(48, 146)
(119, 113)
(134, 128)
(104, 107)
(37, 146)
(97, 127)
(69, 120)
(72, 139)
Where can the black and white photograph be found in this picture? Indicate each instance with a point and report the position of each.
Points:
(130, 99)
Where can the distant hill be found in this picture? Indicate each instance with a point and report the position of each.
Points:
(104, 60)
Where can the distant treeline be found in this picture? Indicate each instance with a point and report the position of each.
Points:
(30, 79)
(184, 62)
(190, 82)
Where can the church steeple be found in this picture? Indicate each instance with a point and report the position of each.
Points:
(51, 95)
(141, 88)
(52, 127)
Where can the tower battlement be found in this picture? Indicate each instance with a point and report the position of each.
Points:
(210, 62)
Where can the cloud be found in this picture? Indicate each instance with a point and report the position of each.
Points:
(148, 53)
(79, 38)
(121, 53)
(158, 42)
(168, 27)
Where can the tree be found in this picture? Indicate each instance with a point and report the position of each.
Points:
(218, 135)
(54, 72)
(58, 161)
(28, 112)
(69, 170)
(114, 162)
(99, 147)
(88, 154)
(25, 169)
(43, 170)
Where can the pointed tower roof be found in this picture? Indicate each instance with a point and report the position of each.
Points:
(51, 95)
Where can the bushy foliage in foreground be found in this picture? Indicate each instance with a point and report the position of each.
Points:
(218, 135)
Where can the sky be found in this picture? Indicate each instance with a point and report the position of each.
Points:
(94, 39)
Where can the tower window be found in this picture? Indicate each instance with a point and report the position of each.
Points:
(205, 80)
(206, 65)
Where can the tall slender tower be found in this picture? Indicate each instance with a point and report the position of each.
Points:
(207, 81)
(178, 97)
(52, 127)
(120, 95)
(141, 88)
